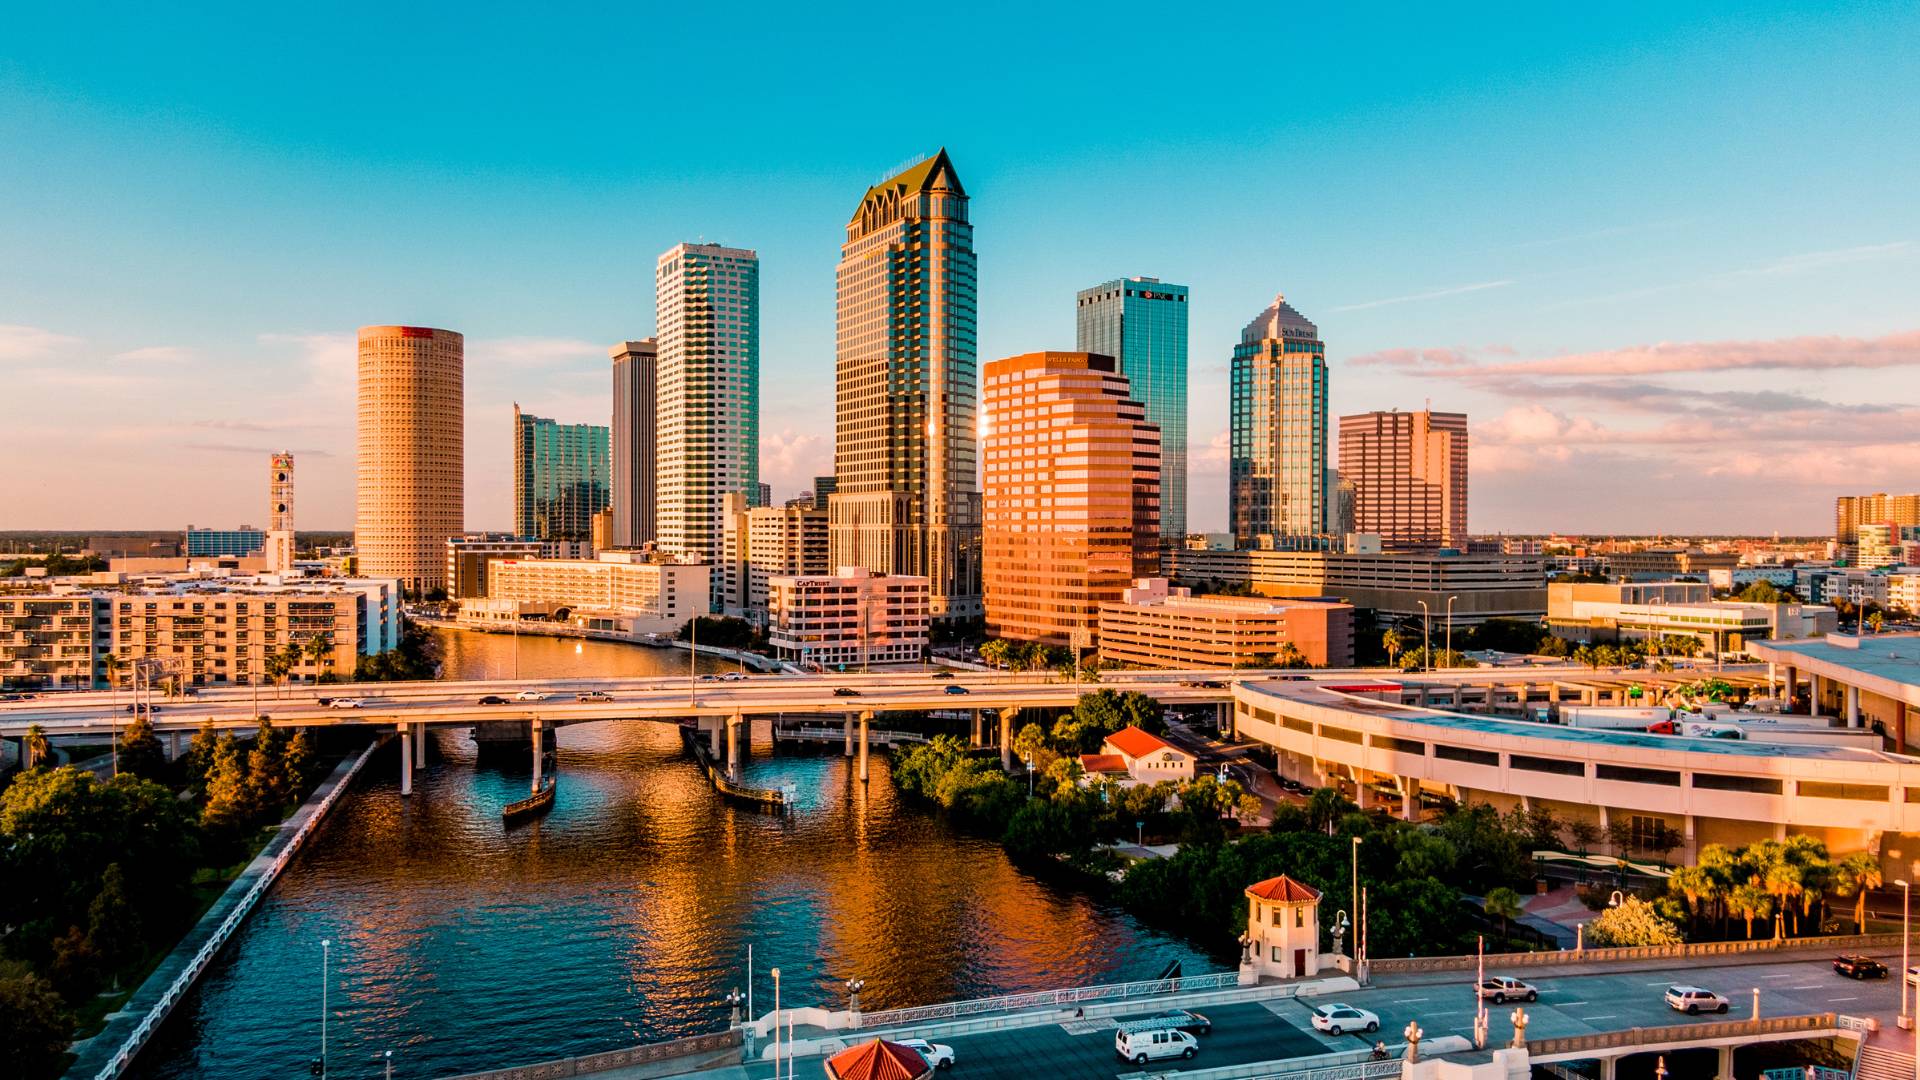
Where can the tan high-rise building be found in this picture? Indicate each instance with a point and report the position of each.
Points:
(411, 492)
(907, 388)
(1072, 500)
(1409, 476)
(635, 388)
(1852, 511)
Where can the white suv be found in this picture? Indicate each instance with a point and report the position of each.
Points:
(938, 1055)
(1693, 1000)
(1141, 1043)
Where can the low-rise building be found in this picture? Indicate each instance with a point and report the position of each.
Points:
(1283, 931)
(619, 591)
(53, 642)
(1665, 564)
(1157, 625)
(244, 540)
(1141, 757)
(1391, 584)
(1642, 611)
(468, 556)
(850, 618)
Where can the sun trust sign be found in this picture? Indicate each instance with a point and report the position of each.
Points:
(416, 331)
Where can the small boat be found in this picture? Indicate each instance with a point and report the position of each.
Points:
(537, 803)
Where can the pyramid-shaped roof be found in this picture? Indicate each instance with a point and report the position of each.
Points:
(1279, 317)
(932, 174)
(878, 1060)
(1283, 890)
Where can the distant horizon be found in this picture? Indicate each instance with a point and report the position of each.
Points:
(1573, 226)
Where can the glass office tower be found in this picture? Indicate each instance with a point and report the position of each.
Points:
(1142, 323)
(1277, 474)
(562, 476)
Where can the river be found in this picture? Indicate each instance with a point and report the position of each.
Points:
(626, 913)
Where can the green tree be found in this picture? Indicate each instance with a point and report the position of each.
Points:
(1633, 922)
(1249, 808)
(1394, 644)
(1749, 902)
(1503, 904)
(1699, 888)
(1290, 656)
(114, 929)
(61, 828)
(35, 1026)
(1325, 806)
(1855, 875)
(198, 760)
(39, 750)
(319, 650)
(140, 752)
(995, 652)
(230, 805)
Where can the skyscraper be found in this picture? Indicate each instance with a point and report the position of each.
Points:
(1852, 511)
(1409, 476)
(635, 370)
(560, 477)
(411, 489)
(907, 388)
(708, 403)
(280, 545)
(1277, 472)
(1072, 499)
(1142, 323)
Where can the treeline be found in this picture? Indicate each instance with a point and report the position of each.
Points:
(101, 874)
(416, 658)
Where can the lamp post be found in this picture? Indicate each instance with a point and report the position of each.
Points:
(1906, 910)
(776, 1022)
(1029, 761)
(693, 659)
(1447, 653)
(1426, 637)
(735, 1000)
(1354, 899)
(854, 986)
(389, 1056)
(326, 947)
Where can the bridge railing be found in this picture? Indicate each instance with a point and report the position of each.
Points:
(1048, 998)
(718, 1042)
(1839, 943)
(830, 734)
(1682, 1033)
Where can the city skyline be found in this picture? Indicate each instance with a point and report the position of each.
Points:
(1607, 326)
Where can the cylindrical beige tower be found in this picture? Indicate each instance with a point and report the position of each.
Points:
(412, 471)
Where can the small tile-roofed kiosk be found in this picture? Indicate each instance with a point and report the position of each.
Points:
(1283, 931)
(878, 1060)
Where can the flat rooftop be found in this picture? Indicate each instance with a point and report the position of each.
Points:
(1892, 657)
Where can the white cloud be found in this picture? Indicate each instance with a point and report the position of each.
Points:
(155, 354)
(31, 342)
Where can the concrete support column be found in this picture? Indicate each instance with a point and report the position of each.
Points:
(539, 750)
(865, 719)
(1853, 706)
(1725, 1071)
(1603, 821)
(979, 730)
(846, 725)
(1780, 831)
(1689, 844)
(713, 736)
(420, 746)
(1006, 739)
(1409, 799)
(1607, 1068)
(1793, 679)
(1362, 792)
(1813, 695)
(1900, 711)
(734, 724)
(1228, 729)
(406, 759)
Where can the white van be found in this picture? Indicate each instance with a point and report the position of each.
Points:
(1141, 1043)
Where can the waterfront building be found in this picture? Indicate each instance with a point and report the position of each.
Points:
(468, 556)
(635, 392)
(1132, 756)
(1409, 476)
(561, 477)
(850, 618)
(1142, 323)
(213, 632)
(54, 642)
(1277, 465)
(708, 409)
(1852, 511)
(1391, 584)
(280, 541)
(618, 591)
(906, 497)
(764, 542)
(1647, 611)
(1072, 494)
(1665, 564)
(1159, 626)
(410, 493)
(1283, 931)
(213, 543)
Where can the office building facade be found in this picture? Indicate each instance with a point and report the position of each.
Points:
(1157, 626)
(708, 412)
(907, 497)
(616, 591)
(410, 493)
(1277, 469)
(562, 476)
(1072, 494)
(850, 618)
(214, 543)
(635, 390)
(1852, 511)
(1409, 477)
(1142, 323)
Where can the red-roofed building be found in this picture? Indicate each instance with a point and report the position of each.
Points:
(1094, 766)
(1149, 759)
(1283, 931)
(878, 1060)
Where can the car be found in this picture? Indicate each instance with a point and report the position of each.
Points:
(346, 703)
(938, 1055)
(956, 688)
(845, 691)
(1340, 1018)
(943, 673)
(1187, 1020)
(532, 695)
(593, 696)
(493, 699)
(1913, 976)
(1146, 1040)
(134, 707)
(1501, 989)
(1212, 684)
(1855, 966)
(734, 676)
(1694, 1000)
(709, 678)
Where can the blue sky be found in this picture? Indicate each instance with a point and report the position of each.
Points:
(1667, 257)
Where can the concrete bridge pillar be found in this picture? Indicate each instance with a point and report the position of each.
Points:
(847, 730)
(866, 717)
(539, 750)
(406, 759)
(1225, 723)
(979, 730)
(1813, 695)
(1409, 799)
(1792, 680)
(420, 746)
(734, 724)
(1607, 1065)
(1006, 738)
(1725, 1071)
(713, 736)
(173, 747)
(1689, 853)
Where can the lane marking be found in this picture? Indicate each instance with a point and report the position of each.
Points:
(1844, 999)
(1662, 982)
(1413, 1001)
(1788, 975)
(1809, 986)
(1603, 1016)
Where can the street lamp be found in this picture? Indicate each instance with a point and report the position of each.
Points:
(1029, 761)
(735, 999)
(1447, 653)
(326, 947)
(1355, 898)
(854, 986)
(389, 1057)
(776, 1022)
(1426, 636)
(1906, 909)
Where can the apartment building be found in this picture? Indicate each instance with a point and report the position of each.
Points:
(1156, 625)
(851, 618)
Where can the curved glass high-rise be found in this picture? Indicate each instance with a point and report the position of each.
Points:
(1142, 323)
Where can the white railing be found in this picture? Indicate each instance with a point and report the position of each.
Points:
(228, 926)
(1041, 999)
(831, 734)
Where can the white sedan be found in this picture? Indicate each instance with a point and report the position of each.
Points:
(532, 695)
(938, 1055)
(346, 703)
(1338, 1019)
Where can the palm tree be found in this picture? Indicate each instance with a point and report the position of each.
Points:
(995, 652)
(1503, 904)
(319, 649)
(1854, 876)
(37, 747)
(1393, 643)
(1697, 887)
(1750, 902)
(1875, 621)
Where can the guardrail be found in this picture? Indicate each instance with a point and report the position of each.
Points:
(1681, 1033)
(1041, 999)
(228, 926)
(644, 1054)
(830, 734)
(765, 797)
(1645, 952)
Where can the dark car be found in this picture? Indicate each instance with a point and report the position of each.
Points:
(1186, 1020)
(493, 699)
(845, 691)
(1859, 967)
(943, 673)
(958, 690)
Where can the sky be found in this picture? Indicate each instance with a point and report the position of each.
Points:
(1666, 257)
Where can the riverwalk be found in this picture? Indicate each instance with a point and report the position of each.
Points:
(108, 1054)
